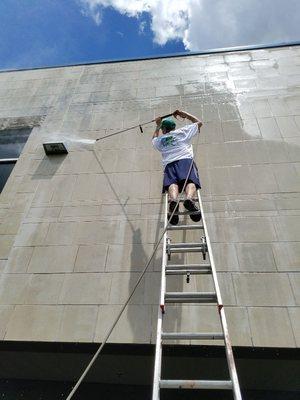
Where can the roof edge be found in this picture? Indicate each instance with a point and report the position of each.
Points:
(172, 55)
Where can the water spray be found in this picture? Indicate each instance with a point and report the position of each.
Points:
(60, 148)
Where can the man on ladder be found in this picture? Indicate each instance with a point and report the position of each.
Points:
(177, 156)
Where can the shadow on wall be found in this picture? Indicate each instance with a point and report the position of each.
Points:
(48, 166)
(138, 260)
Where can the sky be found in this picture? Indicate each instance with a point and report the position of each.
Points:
(39, 33)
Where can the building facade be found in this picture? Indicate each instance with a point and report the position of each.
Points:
(77, 229)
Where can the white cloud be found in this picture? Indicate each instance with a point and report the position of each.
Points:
(142, 27)
(91, 9)
(170, 18)
(205, 24)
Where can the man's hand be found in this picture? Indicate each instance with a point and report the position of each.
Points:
(158, 121)
(191, 117)
(181, 114)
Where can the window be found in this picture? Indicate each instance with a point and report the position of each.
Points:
(12, 142)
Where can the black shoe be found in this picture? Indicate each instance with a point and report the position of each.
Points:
(175, 219)
(191, 206)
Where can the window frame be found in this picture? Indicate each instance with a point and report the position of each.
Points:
(5, 161)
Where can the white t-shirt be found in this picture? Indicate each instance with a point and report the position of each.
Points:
(175, 144)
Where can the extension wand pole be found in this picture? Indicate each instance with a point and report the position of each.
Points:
(133, 127)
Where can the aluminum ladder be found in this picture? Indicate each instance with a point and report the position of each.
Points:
(204, 247)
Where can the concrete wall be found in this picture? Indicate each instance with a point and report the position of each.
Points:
(76, 230)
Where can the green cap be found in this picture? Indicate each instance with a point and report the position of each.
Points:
(168, 123)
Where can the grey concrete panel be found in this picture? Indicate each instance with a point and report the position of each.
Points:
(256, 152)
(11, 223)
(263, 179)
(32, 234)
(293, 148)
(295, 282)
(42, 214)
(238, 326)
(12, 288)
(294, 314)
(51, 259)
(121, 287)
(241, 180)
(43, 289)
(6, 242)
(225, 257)
(128, 257)
(263, 289)
(255, 257)
(233, 131)
(251, 229)
(152, 287)
(277, 151)
(287, 126)
(261, 108)
(287, 256)
(34, 323)
(219, 181)
(121, 210)
(19, 259)
(78, 323)
(86, 288)
(270, 326)
(287, 227)
(236, 153)
(79, 211)
(91, 258)
(5, 314)
(60, 234)
(287, 177)
(269, 128)
(133, 327)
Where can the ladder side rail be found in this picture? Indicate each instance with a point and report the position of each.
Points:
(228, 347)
(158, 346)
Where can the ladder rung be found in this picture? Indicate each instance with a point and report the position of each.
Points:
(184, 227)
(183, 269)
(181, 245)
(192, 336)
(186, 249)
(188, 271)
(187, 384)
(190, 297)
(190, 267)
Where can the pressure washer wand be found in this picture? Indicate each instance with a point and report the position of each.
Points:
(133, 127)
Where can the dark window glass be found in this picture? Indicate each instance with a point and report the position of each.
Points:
(5, 170)
(12, 142)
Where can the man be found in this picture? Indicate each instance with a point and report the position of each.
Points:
(177, 159)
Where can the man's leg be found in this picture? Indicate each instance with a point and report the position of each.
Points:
(173, 192)
(190, 190)
(173, 195)
(189, 204)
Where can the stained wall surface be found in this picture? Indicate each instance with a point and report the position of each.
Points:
(76, 230)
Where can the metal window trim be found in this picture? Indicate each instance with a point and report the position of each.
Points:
(8, 160)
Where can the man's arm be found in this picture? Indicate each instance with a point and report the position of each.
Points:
(192, 118)
(156, 132)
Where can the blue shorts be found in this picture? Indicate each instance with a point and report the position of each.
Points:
(177, 171)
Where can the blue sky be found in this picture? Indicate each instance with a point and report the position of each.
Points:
(38, 33)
